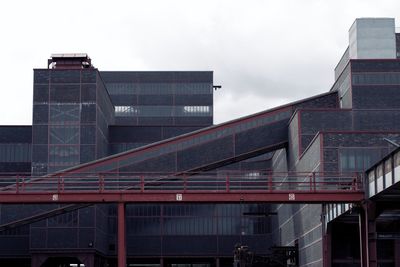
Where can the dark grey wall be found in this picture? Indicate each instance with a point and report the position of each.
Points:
(71, 114)
(15, 149)
(161, 98)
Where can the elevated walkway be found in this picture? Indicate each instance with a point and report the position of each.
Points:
(229, 187)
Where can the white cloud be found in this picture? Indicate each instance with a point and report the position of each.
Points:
(263, 53)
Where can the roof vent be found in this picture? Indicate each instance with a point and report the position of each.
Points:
(69, 61)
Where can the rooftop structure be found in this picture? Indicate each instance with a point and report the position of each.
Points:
(69, 61)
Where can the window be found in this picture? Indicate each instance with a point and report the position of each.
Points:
(357, 159)
(376, 78)
(64, 134)
(397, 159)
(388, 165)
(15, 152)
(64, 154)
(64, 113)
(379, 170)
(126, 111)
(193, 111)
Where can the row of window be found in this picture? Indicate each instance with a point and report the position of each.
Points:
(64, 154)
(159, 88)
(358, 159)
(64, 134)
(15, 152)
(162, 111)
(64, 112)
(385, 168)
(376, 78)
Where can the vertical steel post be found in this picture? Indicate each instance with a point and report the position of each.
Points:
(373, 257)
(121, 235)
(367, 226)
(362, 226)
(396, 255)
(227, 183)
(17, 184)
(269, 183)
(101, 183)
(314, 182)
(62, 183)
(327, 240)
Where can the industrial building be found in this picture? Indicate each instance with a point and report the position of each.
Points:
(121, 127)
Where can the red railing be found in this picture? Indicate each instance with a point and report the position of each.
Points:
(250, 181)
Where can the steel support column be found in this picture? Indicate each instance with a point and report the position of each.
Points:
(396, 253)
(373, 255)
(367, 226)
(38, 259)
(362, 225)
(327, 246)
(217, 263)
(121, 235)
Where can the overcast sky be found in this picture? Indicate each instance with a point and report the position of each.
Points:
(263, 53)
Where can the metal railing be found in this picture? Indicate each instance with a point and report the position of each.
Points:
(248, 181)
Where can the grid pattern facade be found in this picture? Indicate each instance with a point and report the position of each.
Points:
(350, 139)
(161, 98)
(71, 115)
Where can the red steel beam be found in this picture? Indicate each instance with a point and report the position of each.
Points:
(163, 196)
(121, 235)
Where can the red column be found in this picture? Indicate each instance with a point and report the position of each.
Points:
(327, 245)
(217, 263)
(396, 253)
(121, 235)
(362, 226)
(367, 226)
(373, 255)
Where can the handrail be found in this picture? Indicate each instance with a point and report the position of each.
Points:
(205, 182)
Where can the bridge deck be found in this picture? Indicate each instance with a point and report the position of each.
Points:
(205, 187)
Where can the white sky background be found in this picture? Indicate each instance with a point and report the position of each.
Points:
(263, 53)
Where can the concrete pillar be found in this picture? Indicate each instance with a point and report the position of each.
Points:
(121, 237)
